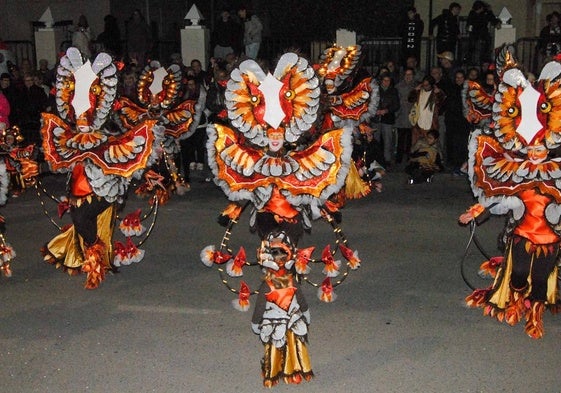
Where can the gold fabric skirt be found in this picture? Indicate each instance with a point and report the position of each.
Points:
(290, 362)
(67, 248)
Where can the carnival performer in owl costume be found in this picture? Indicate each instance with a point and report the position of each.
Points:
(100, 163)
(17, 169)
(158, 95)
(515, 170)
(267, 160)
(349, 100)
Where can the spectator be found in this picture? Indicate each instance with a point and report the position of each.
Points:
(193, 148)
(402, 123)
(4, 111)
(446, 86)
(549, 43)
(200, 75)
(252, 32)
(33, 101)
(448, 29)
(139, 38)
(226, 32)
(82, 36)
(448, 66)
(413, 63)
(385, 116)
(457, 127)
(47, 74)
(425, 159)
(427, 100)
(12, 95)
(216, 100)
(128, 87)
(411, 33)
(478, 21)
(110, 37)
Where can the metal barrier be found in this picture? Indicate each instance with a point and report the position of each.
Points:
(22, 50)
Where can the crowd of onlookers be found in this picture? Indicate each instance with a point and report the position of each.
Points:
(413, 102)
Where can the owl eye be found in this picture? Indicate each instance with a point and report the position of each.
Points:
(289, 95)
(512, 111)
(545, 107)
(96, 89)
(254, 100)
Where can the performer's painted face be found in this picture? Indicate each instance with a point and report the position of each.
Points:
(276, 140)
(537, 153)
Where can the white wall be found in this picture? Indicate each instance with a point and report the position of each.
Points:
(16, 15)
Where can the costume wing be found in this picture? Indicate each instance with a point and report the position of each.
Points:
(180, 118)
(496, 172)
(119, 155)
(362, 99)
(479, 103)
(130, 113)
(247, 173)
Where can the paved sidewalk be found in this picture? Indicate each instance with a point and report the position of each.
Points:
(166, 325)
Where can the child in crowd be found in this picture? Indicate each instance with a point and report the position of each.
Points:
(425, 159)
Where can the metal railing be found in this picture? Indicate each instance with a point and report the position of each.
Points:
(376, 50)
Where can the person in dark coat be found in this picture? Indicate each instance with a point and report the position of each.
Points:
(448, 28)
(411, 33)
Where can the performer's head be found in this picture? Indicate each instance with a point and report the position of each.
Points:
(537, 152)
(276, 139)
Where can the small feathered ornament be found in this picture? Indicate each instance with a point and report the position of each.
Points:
(351, 256)
(131, 224)
(6, 269)
(234, 266)
(134, 253)
(491, 266)
(63, 206)
(326, 292)
(331, 268)
(120, 252)
(210, 256)
(303, 257)
(242, 302)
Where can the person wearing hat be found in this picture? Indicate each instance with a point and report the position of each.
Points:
(448, 28)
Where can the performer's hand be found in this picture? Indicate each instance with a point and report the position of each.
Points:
(466, 218)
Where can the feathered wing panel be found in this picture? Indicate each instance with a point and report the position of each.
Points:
(179, 118)
(479, 102)
(497, 173)
(356, 103)
(130, 113)
(303, 176)
(121, 155)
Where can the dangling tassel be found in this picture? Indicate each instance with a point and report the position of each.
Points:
(131, 224)
(93, 264)
(325, 291)
(303, 257)
(120, 251)
(331, 268)
(351, 256)
(210, 256)
(234, 266)
(355, 187)
(491, 266)
(242, 302)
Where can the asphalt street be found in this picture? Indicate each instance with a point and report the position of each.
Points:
(166, 324)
